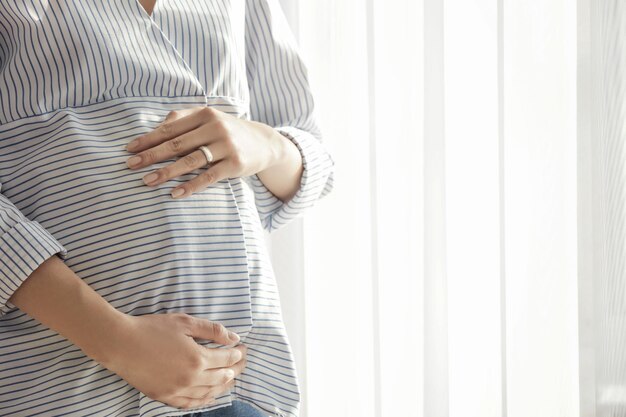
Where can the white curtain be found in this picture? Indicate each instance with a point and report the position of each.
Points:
(459, 267)
(602, 158)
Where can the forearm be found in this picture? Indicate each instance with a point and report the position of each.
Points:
(283, 178)
(59, 299)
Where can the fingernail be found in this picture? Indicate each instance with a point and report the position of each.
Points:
(233, 336)
(177, 192)
(132, 161)
(132, 145)
(150, 178)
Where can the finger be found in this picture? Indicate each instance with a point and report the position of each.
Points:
(209, 398)
(215, 358)
(212, 330)
(172, 127)
(178, 145)
(203, 391)
(220, 376)
(215, 173)
(213, 374)
(184, 165)
(178, 114)
(185, 403)
(226, 373)
(171, 116)
(166, 128)
(182, 144)
(196, 399)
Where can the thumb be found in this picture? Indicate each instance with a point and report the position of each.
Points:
(211, 330)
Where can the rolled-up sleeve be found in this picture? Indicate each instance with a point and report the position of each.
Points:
(280, 96)
(24, 245)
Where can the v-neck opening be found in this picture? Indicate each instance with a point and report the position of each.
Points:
(154, 26)
(151, 14)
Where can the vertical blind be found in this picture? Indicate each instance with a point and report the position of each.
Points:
(469, 261)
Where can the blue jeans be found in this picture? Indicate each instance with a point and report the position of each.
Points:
(238, 409)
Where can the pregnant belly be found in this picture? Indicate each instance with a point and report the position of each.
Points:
(142, 250)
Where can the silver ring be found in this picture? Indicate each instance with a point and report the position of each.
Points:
(207, 153)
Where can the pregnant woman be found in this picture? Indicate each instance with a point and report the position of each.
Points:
(144, 149)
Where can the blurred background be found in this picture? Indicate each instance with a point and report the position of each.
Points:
(470, 259)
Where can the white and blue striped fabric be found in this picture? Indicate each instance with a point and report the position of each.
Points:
(79, 79)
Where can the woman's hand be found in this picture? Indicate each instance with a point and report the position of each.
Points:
(240, 148)
(157, 354)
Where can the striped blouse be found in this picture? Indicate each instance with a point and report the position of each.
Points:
(79, 79)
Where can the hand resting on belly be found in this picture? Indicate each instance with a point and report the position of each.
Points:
(155, 353)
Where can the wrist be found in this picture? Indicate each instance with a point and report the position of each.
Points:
(106, 336)
(283, 179)
(289, 152)
(285, 153)
(280, 149)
